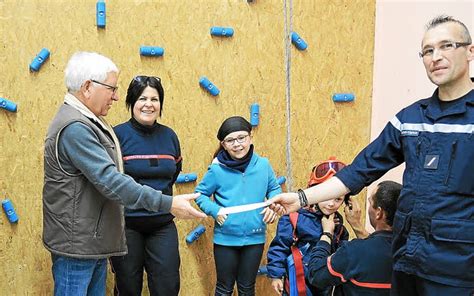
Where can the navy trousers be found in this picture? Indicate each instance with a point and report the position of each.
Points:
(404, 284)
(151, 248)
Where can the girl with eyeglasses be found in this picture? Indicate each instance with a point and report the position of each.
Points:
(237, 176)
(308, 232)
(152, 156)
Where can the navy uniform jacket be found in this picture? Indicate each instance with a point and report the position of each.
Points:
(361, 266)
(434, 223)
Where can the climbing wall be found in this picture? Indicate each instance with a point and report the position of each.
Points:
(255, 65)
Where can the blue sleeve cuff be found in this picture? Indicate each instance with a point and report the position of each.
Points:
(347, 178)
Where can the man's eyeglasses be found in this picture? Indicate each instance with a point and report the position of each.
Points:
(325, 170)
(444, 47)
(239, 139)
(112, 88)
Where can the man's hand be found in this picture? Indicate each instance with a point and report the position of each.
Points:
(353, 217)
(182, 208)
(285, 203)
(268, 215)
(277, 285)
(221, 219)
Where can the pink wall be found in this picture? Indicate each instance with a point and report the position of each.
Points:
(399, 76)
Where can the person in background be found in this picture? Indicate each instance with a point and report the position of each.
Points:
(237, 176)
(84, 186)
(308, 231)
(152, 156)
(361, 266)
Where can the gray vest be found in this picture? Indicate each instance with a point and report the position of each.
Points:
(78, 221)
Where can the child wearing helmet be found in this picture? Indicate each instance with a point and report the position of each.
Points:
(307, 234)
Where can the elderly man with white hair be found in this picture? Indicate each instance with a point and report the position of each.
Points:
(84, 186)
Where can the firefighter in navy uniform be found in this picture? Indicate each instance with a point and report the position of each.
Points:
(433, 228)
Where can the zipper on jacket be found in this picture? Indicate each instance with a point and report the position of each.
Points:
(96, 230)
(453, 152)
(418, 145)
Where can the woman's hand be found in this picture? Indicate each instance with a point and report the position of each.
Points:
(269, 215)
(277, 285)
(221, 219)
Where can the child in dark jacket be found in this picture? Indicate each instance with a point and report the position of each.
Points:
(308, 231)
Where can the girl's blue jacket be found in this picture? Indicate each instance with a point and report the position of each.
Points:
(231, 187)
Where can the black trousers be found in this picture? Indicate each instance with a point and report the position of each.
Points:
(404, 284)
(237, 264)
(151, 248)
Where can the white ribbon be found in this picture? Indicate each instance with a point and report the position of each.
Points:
(243, 208)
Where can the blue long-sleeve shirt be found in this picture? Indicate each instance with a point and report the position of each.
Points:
(152, 157)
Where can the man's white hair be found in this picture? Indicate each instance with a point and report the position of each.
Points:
(83, 66)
